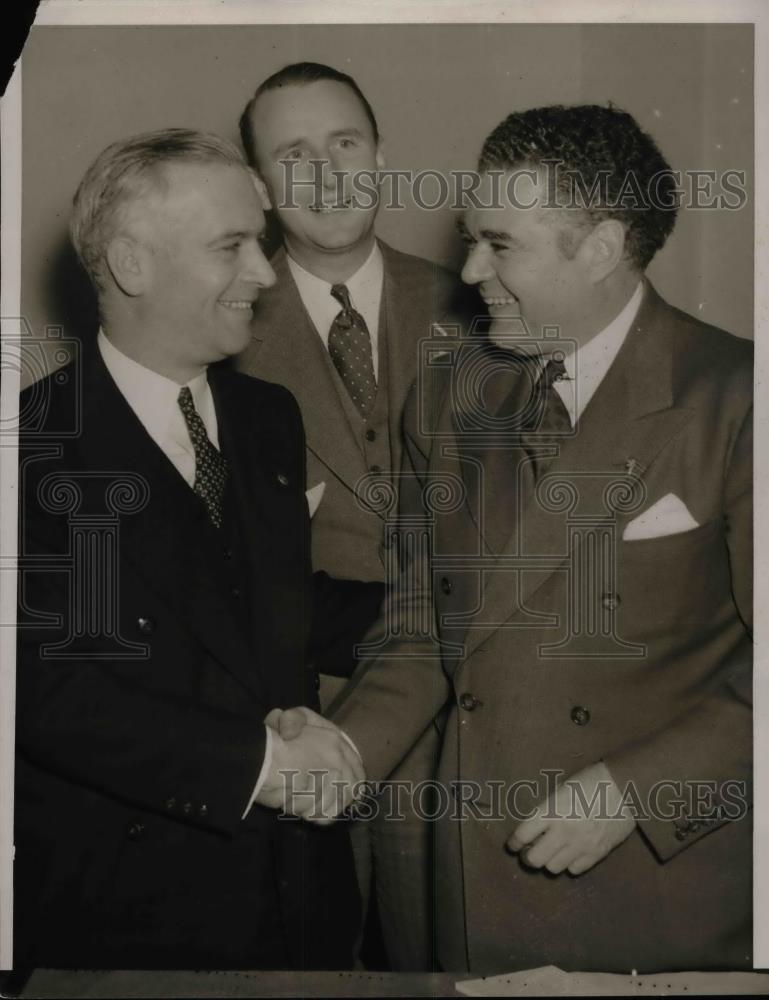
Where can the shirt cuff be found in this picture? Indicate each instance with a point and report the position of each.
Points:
(347, 738)
(266, 767)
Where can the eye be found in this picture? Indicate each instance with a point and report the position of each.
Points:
(347, 143)
(293, 154)
(232, 247)
(499, 247)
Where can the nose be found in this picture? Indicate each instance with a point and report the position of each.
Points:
(257, 269)
(477, 266)
(334, 174)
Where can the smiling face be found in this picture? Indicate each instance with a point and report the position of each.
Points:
(517, 258)
(326, 121)
(204, 267)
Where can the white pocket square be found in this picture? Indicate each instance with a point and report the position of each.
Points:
(668, 516)
(314, 496)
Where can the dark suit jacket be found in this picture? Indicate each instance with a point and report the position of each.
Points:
(644, 664)
(139, 719)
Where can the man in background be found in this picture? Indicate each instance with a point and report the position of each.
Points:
(153, 643)
(341, 331)
(593, 582)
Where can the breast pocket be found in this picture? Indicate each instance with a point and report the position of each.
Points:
(673, 583)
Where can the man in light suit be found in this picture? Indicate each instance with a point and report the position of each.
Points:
(592, 579)
(153, 643)
(335, 276)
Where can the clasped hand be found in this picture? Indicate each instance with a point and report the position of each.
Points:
(314, 771)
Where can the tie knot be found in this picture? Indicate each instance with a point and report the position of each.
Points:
(555, 371)
(186, 402)
(342, 296)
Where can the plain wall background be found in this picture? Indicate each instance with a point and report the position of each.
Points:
(437, 91)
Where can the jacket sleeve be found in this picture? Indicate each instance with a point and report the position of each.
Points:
(712, 742)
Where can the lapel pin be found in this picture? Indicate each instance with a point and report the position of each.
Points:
(283, 479)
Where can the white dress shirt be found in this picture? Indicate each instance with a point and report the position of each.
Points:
(587, 366)
(155, 401)
(365, 288)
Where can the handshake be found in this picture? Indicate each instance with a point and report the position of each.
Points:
(314, 772)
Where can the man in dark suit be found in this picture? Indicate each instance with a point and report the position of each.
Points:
(592, 579)
(335, 277)
(166, 598)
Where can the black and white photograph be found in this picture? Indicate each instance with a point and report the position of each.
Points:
(377, 535)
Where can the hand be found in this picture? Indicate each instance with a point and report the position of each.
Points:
(573, 832)
(314, 769)
(289, 722)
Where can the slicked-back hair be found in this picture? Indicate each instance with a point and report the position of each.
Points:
(600, 147)
(127, 171)
(298, 74)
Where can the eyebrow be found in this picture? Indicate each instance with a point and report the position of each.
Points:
(491, 235)
(233, 234)
(290, 143)
(498, 236)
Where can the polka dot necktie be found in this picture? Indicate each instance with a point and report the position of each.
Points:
(210, 464)
(349, 344)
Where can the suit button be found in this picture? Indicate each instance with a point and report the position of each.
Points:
(170, 804)
(145, 625)
(283, 479)
(580, 716)
(187, 808)
(375, 469)
(135, 831)
(371, 434)
(227, 553)
(446, 586)
(236, 591)
(469, 702)
(611, 601)
(203, 810)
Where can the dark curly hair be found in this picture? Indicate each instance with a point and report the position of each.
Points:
(599, 162)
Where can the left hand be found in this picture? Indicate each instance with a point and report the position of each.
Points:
(564, 835)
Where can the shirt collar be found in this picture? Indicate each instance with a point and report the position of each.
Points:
(152, 397)
(594, 358)
(365, 288)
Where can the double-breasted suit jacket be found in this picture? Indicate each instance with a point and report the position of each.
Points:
(565, 643)
(151, 646)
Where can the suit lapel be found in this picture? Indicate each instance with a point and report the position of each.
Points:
(597, 474)
(408, 316)
(170, 541)
(290, 352)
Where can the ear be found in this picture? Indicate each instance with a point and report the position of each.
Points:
(605, 247)
(380, 156)
(128, 263)
(261, 190)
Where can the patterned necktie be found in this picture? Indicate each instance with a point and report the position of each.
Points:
(349, 345)
(210, 464)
